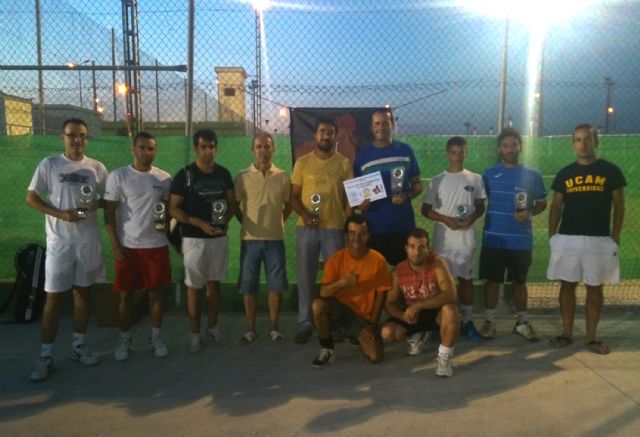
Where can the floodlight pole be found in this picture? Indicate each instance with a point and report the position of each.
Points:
(607, 83)
(257, 89)
(40, 73)
(503, 76)
(188, 129)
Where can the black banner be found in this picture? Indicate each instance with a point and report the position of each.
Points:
(354, 129)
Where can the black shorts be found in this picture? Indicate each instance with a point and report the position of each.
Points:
(426, 322)
(344, 318)
(391, 246)
(494, 262)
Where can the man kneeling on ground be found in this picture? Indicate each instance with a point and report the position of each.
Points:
(426, 286)
(351, 291)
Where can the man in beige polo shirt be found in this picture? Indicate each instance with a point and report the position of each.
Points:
(262, 191)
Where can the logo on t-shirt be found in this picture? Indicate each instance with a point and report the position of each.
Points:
(73, 178)
(469, 188)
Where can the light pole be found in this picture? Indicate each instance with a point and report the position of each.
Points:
(608, 111)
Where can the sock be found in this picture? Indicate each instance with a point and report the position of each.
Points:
(467, 311)
(125, 334)
(326, 343)
(523, 317)
(489, 314)
(212, 330)
(78, 339)
(444, 350)
(46, 350)
(155, 333)
(195, 337)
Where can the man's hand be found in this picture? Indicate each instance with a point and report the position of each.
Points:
(350, 279)
(411, 314)
(69, 215)
(119, 252)
(522, 215)
(399, 199)
(206, 227)
(364, 205)
(310, 220)
(452, 223)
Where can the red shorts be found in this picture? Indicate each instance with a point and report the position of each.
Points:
(143, 269)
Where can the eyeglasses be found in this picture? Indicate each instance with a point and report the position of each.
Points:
(81, 137)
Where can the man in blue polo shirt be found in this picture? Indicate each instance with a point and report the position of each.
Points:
(516, 193)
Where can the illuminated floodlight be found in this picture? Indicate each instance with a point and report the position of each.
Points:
(610, 110)
(260, 5)
(71, 64)
(121, 89)
(282, 112)
(100, 109)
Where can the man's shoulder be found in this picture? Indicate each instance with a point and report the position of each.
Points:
(375, 256)
(471, 175)
(94, 163)
(160, 173)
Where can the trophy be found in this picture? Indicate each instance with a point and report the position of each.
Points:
(397, 180)
(315, 200)
(521, 200)
(84, 201)
(462, 211)
(218, 211)
(160, 216)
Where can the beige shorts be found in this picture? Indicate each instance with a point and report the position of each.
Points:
(73, 264)
(205, 259)
(592, 260)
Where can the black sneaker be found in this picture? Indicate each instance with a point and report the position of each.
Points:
(325, 357)
(303, 335)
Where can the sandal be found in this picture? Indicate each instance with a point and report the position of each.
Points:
(597, 347)
(560, 341)
(276, 336)
(248, 337)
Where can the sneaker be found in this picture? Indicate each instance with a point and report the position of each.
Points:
(469, 329)
(444, 366)
(488, 329)
(194, 344)
(415, 343)
(158, 347)
(216, 336)
(526, 331)
(83, 354)
(122, 349)
(303, 335)
(44, 367)
(325, 357)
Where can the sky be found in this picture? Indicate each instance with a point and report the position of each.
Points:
(437, 63)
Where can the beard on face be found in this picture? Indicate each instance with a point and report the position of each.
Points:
(325, 145)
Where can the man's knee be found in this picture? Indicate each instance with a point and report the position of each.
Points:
(319, 306)
(387, 333)
(450, 314)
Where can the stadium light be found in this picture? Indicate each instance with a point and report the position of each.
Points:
(121, 89)
(260, 5)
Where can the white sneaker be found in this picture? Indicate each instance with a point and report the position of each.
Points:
(83, 354)
(122, 348)
(445, 366)
(194, 344)
(216, 336)
(158, 347)
(42, 370)
(415, 343)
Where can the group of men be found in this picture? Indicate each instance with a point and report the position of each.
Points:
(356, 245)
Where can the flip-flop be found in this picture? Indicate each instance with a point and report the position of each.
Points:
(597, 347)
(276, 336)
(560, 341)
(248, 337)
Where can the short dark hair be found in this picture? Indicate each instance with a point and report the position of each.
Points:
(325, 120)
(418, 233)
(586, 126)
(456, 141)
(262, 135)
(74, 121)
(358, 219)
(206, 135)
(509, 132)
(143, 134)
(385, 110)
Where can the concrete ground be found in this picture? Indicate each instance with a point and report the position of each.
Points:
(501, 387)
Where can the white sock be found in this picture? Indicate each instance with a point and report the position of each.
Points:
(155, 333)
(489, 314)
(195, 336)
(466, 312)
(78, 339)
(125, 334)
(523, 317)
(46, 350)
(444, 350)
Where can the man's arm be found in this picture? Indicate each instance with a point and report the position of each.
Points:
(555, 213)
(539, 205)
(393, 295)
(378, 304)
(176, 211)
(477, 213)
(416, 187)
(300, 209)
(110, 208)
(618, 214)
(232, 206)
(36, 202)
(446, 287)
(330, 289)
(286, 211)
(428, 212)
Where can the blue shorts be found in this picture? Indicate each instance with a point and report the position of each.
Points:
(252, 254)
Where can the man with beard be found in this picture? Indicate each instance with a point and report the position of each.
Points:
(423, 298)
(354, 281)
(392, 218)
(202, 201)
(138, 239)
(516, 193)
(318, 197)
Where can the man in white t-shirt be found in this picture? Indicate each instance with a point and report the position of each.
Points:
(136, 220)
(455, 200)
(66, 188)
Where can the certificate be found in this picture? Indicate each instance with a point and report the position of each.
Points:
(364, 187)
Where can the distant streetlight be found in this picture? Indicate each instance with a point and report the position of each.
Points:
(73, 65)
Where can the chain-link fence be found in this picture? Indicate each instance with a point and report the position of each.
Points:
(443, 68)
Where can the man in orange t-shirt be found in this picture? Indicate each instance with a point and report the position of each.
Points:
(352, 288)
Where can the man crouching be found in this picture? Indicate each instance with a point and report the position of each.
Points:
(352, 290)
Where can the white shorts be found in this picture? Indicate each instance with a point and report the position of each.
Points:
(205, 259)
(460, 262)
(592, 260)
(73, 264)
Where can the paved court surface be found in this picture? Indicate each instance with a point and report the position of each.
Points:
(501, 387)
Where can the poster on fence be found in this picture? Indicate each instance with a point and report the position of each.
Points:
(354, 129)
